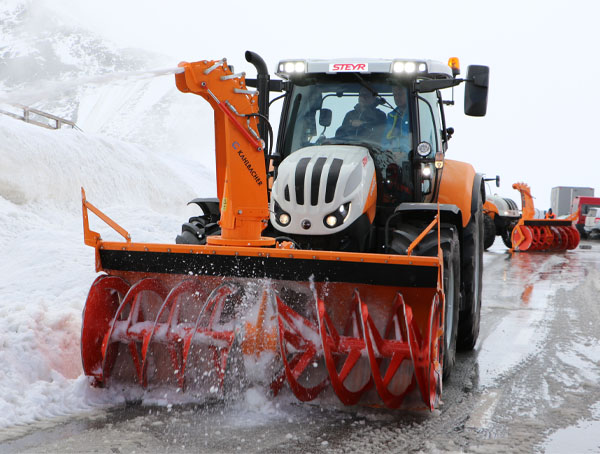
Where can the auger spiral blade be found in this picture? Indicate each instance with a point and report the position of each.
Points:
(103, 301)
(343, 355)
(146, 335)
(393, 361)
(403, 345)
(544, 235)
(300, 351)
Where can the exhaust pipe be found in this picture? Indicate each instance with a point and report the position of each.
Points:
(262, 85)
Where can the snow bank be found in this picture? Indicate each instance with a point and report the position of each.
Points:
(46, 270)
(49, 167)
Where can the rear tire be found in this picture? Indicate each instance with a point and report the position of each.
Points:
(489, 232)
(196, 230)
(451, 251)
(471, 274)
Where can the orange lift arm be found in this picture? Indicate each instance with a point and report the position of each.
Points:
(240, 161)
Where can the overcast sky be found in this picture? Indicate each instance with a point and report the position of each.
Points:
(541, 125)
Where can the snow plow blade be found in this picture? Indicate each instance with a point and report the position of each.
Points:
(199, 318)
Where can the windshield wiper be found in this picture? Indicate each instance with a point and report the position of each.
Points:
(374, 92)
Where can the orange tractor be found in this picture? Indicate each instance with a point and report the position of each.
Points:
(531, 234)
(348, 259)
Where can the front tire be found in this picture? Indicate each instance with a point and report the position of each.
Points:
(489, 232)
(506, 236)
(428, 246)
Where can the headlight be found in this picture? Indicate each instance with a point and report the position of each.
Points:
(423, 149)
(284, 219)
(281, 216)
(338, 217)
(427, 173)
(331, 221)
(398, 67)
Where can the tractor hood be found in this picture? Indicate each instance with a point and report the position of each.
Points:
(321, 190)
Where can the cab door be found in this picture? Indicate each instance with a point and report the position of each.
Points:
(429, 132)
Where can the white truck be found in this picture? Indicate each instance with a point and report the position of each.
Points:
(562, 197)
(592, 222)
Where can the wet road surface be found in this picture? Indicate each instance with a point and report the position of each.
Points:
(532, 384)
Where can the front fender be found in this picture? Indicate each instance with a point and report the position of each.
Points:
(459, 180)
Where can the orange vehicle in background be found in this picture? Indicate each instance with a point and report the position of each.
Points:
(531, 234)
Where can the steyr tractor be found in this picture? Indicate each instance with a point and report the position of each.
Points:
(344, 257)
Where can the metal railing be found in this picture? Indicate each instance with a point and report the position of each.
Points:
(36, 117)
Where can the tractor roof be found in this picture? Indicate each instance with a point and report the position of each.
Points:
(399, 66)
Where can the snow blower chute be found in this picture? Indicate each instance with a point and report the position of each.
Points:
(336, 277)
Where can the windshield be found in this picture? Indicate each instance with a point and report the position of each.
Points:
(349, 110)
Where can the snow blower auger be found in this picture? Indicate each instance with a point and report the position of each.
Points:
(352, 267)
(531, 234)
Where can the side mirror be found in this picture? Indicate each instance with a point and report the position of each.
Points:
(476, 90)
(497, 180)
(325, 117)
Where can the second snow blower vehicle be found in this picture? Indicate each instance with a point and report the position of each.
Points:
(549, 234)
(346, 259)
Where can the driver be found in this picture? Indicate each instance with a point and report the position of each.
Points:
(397, 131)
(365, 121)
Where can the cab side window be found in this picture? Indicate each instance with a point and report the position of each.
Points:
(429, 121)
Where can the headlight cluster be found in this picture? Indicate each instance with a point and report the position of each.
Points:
(408, 67)
(338, 217)
(291, 67)
(332, 220)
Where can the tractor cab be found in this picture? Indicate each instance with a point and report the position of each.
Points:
(339, 119)
(332, 110)
(373, 104)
